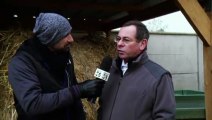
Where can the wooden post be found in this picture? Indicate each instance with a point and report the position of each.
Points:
(208, 80)
(208, 74)
(202, 24)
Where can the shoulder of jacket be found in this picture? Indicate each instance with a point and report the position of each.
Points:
(155, 69)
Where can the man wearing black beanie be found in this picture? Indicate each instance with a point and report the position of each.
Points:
(42, 76)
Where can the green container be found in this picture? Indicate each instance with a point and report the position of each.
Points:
(190, 105)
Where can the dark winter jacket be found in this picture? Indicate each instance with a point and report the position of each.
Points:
(144, 92)
(43, 84)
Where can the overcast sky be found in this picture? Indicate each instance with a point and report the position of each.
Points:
(174, 22)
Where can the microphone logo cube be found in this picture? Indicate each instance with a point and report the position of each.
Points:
(101, 74)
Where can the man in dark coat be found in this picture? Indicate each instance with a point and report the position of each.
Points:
(42, 76)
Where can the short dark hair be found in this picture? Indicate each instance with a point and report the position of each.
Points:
(141, 30)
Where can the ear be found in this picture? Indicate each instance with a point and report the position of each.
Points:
(143, 44)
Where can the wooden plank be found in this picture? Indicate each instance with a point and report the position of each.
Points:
(208, 80)
(197, 17)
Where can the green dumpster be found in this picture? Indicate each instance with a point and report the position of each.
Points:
(190, 105)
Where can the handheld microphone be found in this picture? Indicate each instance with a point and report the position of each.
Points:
(102, 72)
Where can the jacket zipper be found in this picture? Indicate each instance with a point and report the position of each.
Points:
(67, 75)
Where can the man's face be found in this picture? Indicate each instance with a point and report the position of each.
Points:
(127, 45)
(63, 44)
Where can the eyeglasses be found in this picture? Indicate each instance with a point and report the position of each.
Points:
(125, 40)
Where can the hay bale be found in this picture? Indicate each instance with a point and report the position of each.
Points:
(9, 42)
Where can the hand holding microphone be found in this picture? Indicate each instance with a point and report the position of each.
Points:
(91, 88)
(102, 73)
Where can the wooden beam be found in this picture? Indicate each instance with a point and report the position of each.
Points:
(88, 5)
(208, 74)
(202, 23)
(116, 17)
(197, 17)
(208, 80)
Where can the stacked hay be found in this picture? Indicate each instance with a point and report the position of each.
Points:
(88, 52)
(9, 42)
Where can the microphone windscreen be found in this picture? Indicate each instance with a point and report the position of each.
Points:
(106, 63)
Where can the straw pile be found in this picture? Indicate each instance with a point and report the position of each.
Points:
(9, 42)
(88, 51)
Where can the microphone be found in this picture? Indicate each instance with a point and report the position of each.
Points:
(102, 73)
